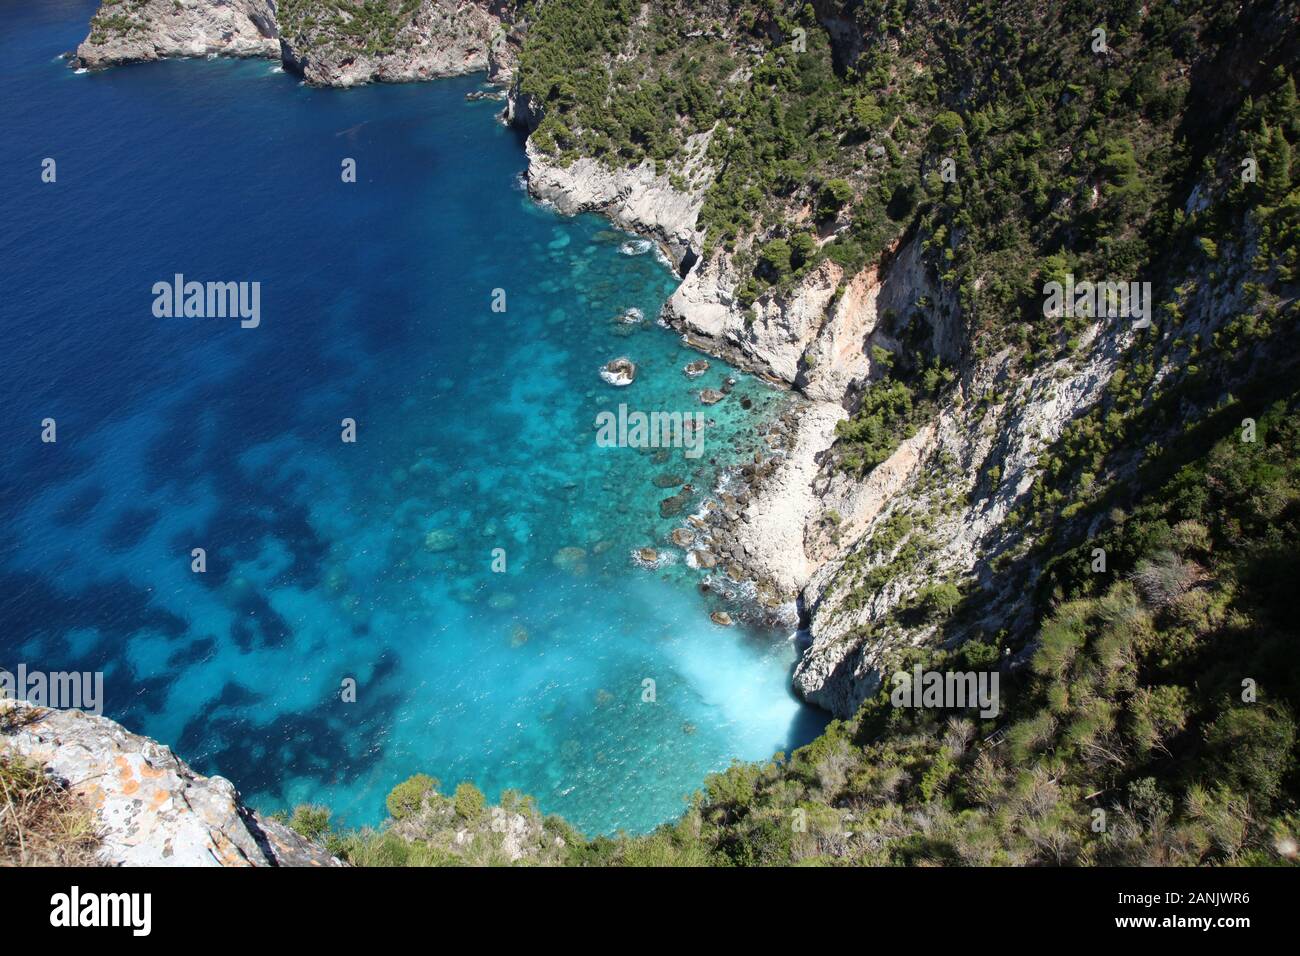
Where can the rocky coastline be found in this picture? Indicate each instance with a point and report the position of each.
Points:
(782, 529)
(442, 38)
(784, 534)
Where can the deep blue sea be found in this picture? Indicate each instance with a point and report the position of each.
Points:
(371, 560)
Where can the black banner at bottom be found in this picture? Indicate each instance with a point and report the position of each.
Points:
(333, 906)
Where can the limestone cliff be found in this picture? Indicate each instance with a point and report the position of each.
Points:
(439, 38)
(134, 31)
(150, 807)
(639, 198)
(329, 44)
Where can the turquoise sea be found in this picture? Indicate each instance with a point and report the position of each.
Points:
(373, 560)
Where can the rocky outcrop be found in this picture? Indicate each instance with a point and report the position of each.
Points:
(638, 199)
(817, 334)
(770, 338)
(769, 537)
(137, 31)
(939, 480)
(442, 38)
(438, 38)
(151, 808)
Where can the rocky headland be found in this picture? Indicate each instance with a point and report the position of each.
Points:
(328, 44)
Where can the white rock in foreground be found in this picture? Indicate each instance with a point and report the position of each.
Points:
(151, 808)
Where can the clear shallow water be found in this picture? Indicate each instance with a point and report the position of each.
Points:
(474, 425)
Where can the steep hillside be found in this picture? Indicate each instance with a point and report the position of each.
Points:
(870, 206)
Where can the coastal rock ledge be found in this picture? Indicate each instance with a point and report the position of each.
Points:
(144, 30)
(151, 808)
(433, 38)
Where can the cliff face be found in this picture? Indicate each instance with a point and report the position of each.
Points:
(638, 198)
(151, 808)
(439, 38)
(328, 43)
(134, 31)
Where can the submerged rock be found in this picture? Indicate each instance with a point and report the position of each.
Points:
(570, 559)
(439, 541)
(710, 396)
(671, 507)
(620, 372)
(668, 480)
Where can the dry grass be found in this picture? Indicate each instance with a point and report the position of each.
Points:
(41, 823)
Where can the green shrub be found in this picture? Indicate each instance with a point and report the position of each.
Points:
(409, 796)
(469, 802)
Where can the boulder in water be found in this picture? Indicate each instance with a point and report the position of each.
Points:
(696, 369)
(671, 507)
(620, 372)
(571, 559)
(701, 558)
(439, 541)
